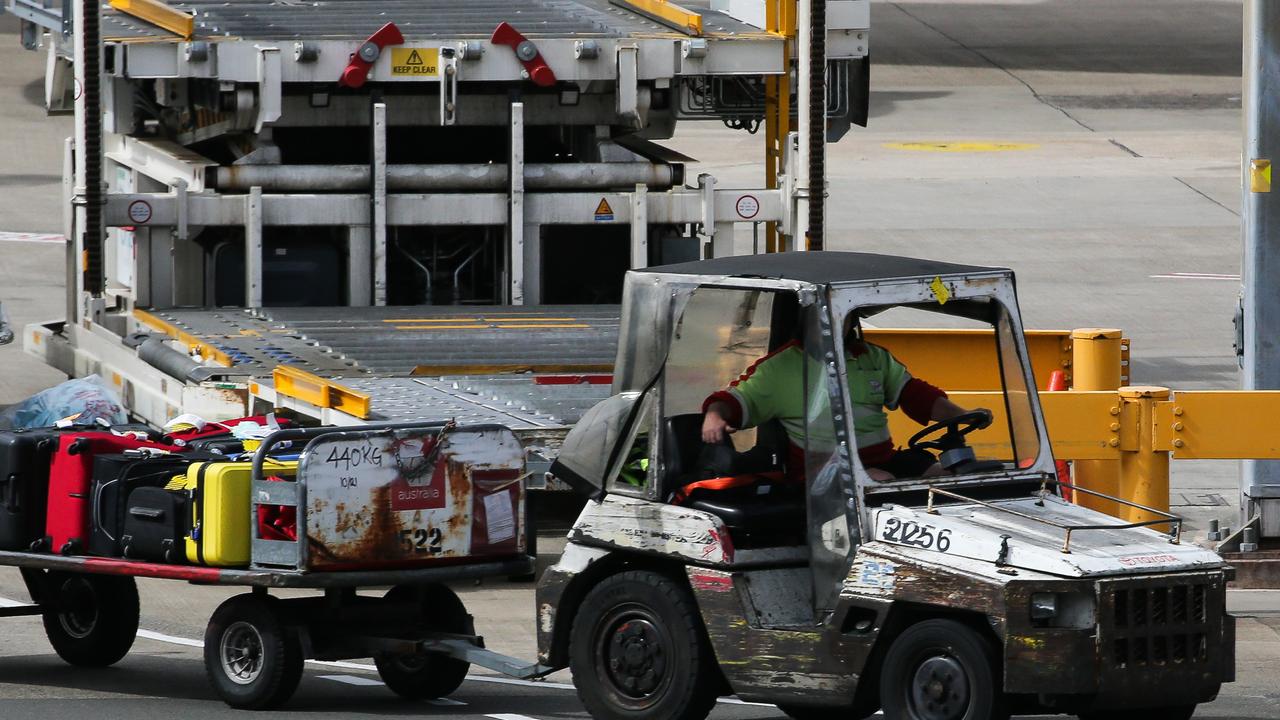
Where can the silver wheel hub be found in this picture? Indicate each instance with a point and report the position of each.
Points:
(241, 651)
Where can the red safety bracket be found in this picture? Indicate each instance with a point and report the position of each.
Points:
(356, 72)
(526, 52)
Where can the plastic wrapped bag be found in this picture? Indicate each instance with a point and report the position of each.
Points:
(82, 401)
(6, 332)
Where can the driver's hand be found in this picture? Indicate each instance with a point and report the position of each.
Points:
(714, 428)
(990, 417)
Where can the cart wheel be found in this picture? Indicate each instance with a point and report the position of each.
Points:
(638, 651)
(253, 661)
(91, 620)
(423, 676)
(1180, 712)
(941, 670)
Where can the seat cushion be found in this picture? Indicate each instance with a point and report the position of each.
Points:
(765, 514)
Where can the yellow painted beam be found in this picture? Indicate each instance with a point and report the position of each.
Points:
(191, 341)
(158, 14)
(966, 359)
(297, 383)
(563, 369)
(1079, 425)
(667, 13)
(1219, 425)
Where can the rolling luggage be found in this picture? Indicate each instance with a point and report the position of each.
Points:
(114, 479)
(220, 516)
(67, 521)
(24, 486)
(156, 524)
(222, 429)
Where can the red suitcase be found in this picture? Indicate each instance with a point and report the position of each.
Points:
(224, 427)
(67, 524)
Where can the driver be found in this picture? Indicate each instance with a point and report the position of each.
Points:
(772, 389)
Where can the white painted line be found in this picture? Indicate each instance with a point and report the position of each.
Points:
(161, 637)
(1196, 276)
(509, 716)
(352, 680)
(31, 237)
(446, 702)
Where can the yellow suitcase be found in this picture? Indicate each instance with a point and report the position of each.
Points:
(220, 510)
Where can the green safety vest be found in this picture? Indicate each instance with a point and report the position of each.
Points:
(772, 389)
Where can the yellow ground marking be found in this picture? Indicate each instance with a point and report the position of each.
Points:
(473, 318)
(960, 146)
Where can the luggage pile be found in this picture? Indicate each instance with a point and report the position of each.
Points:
(129, 492)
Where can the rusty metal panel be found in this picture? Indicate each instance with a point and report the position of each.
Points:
(411, 497)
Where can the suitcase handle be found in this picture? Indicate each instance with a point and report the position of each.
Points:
(96, 505)
(146, 513)
(12, 500)
(289, 434)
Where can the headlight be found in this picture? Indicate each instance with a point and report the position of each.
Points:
(1063, 610)
(1044, 607)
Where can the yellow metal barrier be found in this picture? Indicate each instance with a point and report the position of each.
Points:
(296, 383)
(1079, 424)
(1096, 357)
(966, 359)
(667, 13)
(194, 343)
(159, 14)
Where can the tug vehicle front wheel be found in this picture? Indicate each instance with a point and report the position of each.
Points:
(941, 670)
(638, 651)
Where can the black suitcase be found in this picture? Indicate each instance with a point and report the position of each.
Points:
(156, 525)
(114, 478)
(223, 445)
(24, 485)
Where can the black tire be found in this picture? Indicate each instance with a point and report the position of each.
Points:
(941, 670)
(1177, 712)
(252, 660)
(91, 620)
(638, 651)
(424, 676)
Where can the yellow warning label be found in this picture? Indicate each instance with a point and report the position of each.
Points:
(940, 290)
(1260, 176)
(604, 213)
(415, 62)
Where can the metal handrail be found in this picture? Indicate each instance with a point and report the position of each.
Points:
(1175, 532)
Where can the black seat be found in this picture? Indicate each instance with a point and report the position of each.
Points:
(765, 513)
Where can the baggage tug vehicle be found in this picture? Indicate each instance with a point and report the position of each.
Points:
(972, 595)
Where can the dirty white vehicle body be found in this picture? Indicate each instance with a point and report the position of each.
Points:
(976, 594)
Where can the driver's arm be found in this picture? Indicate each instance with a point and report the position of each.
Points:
(944, 409)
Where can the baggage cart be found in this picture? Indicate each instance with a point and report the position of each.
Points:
(405, 506)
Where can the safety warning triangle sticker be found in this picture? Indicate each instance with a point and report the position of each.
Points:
(414, 59)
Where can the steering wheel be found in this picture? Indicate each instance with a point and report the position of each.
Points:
(955, 429)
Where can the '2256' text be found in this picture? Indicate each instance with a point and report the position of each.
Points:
(910, 532)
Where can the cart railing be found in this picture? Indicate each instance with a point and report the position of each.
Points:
(1174, 521)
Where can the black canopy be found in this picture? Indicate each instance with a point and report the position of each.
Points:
(821, 267)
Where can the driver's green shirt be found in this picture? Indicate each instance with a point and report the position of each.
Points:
(772, 388)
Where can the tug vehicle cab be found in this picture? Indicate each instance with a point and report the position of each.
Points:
(775, 568)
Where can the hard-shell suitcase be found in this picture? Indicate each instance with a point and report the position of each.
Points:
(156, 525)
(220, 515)
(67, 521)
(24, 485)
(114, 479)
